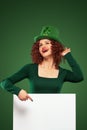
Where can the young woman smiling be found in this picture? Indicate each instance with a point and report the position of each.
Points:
(45, 74)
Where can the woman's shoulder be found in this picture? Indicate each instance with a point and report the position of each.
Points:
(62, 69)
(30, 65)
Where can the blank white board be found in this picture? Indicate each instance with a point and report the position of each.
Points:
(46, 112)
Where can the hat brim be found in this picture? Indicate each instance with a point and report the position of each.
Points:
(37, 38)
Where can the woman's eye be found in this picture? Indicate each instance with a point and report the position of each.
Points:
(47, 43)
(40, 45)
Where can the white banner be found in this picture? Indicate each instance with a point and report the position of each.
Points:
(46, 112)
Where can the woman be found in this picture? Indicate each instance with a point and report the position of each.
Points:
(45, 74)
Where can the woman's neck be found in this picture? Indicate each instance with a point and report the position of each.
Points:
(48, 63)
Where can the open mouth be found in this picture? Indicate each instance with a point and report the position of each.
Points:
(44, 50)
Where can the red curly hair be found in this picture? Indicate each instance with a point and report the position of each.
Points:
(57, 48)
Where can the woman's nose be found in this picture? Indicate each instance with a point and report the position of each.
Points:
(44, 45)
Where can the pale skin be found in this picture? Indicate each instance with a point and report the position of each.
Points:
(47, 65)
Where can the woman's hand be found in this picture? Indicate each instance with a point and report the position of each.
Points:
(23, 95)
(66, 50)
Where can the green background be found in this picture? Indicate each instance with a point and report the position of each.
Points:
(20, 21)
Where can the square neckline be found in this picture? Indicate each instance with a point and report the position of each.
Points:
(47, 77)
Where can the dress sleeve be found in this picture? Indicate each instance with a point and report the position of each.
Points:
(74, 75)
(9, 82)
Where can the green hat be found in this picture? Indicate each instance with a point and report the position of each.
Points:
(48, 32)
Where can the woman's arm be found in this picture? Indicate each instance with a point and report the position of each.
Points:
(9, 83)
(76, 74)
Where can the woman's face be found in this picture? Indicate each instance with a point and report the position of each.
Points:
(45, 48)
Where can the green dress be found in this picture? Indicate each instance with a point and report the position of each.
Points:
(40, 84)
